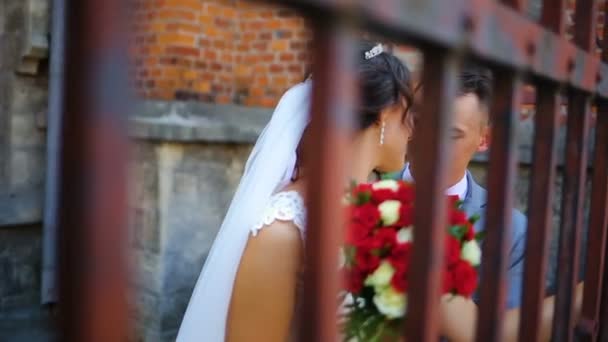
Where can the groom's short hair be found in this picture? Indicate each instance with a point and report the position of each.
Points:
(476, 80)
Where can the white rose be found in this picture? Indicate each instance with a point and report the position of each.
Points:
(381, 277)
(386, 184)
(405, 235)
(389, 211)
(391, 303)
(471, 252)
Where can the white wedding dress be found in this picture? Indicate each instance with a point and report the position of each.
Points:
(258, 202)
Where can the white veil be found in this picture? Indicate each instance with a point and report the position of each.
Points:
(269, 167)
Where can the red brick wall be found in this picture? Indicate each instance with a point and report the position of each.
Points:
(231, 51)
(217, 51)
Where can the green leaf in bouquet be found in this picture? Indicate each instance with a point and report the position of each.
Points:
(473, 219)
(363, 198)
(458, 231)
(480, 235)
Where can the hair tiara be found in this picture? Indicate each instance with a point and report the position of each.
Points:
(373, 52)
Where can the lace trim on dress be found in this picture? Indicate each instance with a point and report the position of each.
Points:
(283, 206)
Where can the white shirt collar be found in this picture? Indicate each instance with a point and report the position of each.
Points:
(459, 189)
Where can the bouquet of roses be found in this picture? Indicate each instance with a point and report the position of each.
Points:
(377, 253)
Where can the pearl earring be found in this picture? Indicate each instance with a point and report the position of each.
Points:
(382, 133)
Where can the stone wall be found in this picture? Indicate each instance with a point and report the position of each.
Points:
(23, 101)
(183, 178)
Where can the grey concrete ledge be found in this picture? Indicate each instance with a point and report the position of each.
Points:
(183, 121)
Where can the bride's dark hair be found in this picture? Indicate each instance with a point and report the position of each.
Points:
(384, 80)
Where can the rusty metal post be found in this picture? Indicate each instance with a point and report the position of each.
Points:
(546, 119)
(588, 325)
(572, 211)
(574, 182)
(92, 206)
(585, 21)
(553, 16)
(501, 181)
(440, 84)
(334, 94)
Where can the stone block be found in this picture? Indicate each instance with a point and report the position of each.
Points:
(20, 260)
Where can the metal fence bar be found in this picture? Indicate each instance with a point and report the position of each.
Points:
(596, 286)
(493, 31)
(574, 182)
(588, 325)
(541, 192)
(585, 20)
(501, 177)
(334, 96)
(553, 16)
(92, 204)
(439, 79)
(572, 210)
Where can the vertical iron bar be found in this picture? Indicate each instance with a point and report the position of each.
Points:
(585, 20)
(334, 96)
(553, 16)
(588, 327)
(574, 182)
(596, 283)
(92, 202)
(501, 175)
(546, 119)
(572, 212)
(439, 79)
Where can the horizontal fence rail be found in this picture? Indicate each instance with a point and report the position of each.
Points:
(491, 30)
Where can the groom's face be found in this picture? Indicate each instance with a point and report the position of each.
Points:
(468, 134)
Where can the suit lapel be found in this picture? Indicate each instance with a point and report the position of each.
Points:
(475, 201)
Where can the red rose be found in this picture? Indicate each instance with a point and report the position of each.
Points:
(356, 232)
(464, 277)
(385, 237)
(452, 250)
(363, 187)
(381, 195)
(406, 216)
(453, 201)
(354, 280)
(365, 260)
(400, 257)
(470, 234)
(399, 281)
(458, 218)
(405, 193)
(367, 214)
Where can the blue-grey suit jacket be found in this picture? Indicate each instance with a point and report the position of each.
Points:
(475, 203)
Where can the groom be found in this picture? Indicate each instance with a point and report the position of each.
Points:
(469, 134)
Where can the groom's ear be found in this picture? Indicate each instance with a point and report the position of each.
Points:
(486, 137)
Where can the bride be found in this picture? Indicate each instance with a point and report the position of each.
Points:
(249, 287)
